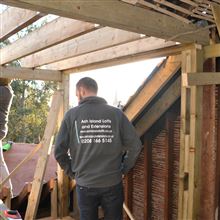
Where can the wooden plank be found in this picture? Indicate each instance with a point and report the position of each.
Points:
(184, 133)
(63, 180)
(47, 141)
(192, 103)
(120, 15)
(216, 13)
(30, 74)
(54, 200)
(147, 175)
(199, 79)
(54, 32)
(167, 51)
(152, 88)
(164, 11)
(96, 40)
(211, 51)
(132, 49)
(157, 109)
(183, 10)
(13, 20)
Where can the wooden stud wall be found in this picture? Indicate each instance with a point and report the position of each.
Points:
(191, 118)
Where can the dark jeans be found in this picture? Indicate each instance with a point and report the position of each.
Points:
(109, 198)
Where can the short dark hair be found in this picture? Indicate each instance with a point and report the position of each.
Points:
(88, 83)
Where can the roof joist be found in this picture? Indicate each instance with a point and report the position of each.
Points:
(109, 54)
(120, 15)
(30, 74)
(55, 32)
(163, 103)
(153, 87)
(13, 20)
(216, 13)
(96, 40)
(154, 53)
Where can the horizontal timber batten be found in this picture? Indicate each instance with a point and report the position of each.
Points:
(30, 74)
(167, 51)
(199, 79)
(211, 51)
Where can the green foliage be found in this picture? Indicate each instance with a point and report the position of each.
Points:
(30, 106)
(28, 115)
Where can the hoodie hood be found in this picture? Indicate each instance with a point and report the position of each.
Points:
(93, 100)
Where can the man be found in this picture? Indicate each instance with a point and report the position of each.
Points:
(6, 96)
(90, 146)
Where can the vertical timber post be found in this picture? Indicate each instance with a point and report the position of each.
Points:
(63, 180)
(190, 138)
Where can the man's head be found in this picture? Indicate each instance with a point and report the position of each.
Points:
(4, 81)
(86, 87)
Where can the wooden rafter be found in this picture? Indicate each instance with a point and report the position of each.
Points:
(34, 198)
(161, 52)
(157, 8)
(156, 111)
(216, 13)
(199, 79)
(129, 49)
(30, 74)
(158, 5)
(96, 40)
(120, 15)
(152, 88)
(13, 20)
(55, 32)
(211, 51)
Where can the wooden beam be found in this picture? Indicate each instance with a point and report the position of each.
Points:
(211, 51)
(13, 20)
(54, 200)
(63, 180)
(216, 14)
(196, 64)
(55, 32)
(30, 74)
(159, 108)
(34, 198)
(96, 40)
(199, 79)
(132, 49)
(153, 87)
(167, 51)
(191, 119)
(120, 15)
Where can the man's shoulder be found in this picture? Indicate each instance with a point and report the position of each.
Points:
(6, 93)
(71, 112)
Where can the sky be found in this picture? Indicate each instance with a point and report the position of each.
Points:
(116, 83)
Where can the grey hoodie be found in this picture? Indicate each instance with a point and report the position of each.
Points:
(91, 142)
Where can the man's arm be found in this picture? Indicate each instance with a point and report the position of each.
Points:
(6, 96)
(131, 143)
(62, 148)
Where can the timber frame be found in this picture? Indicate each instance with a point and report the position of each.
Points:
(96, 34)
